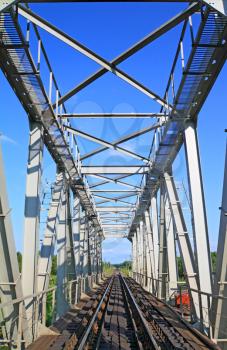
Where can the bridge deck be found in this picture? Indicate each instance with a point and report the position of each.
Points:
(122, 315)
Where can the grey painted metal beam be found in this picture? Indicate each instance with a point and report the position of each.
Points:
(10, 280)
(114, 209)
(71, 263)
(59, 34)
(32, 216)
(162, 260)
(171, 249)
(116, 191)
(76, 232)
(49, 240)
(199, 222)
(112, 115)
(149, 251)
(219, 307)
(133, 49)
(129, 169)
(61, 301)
(155, 230)
(91, 1)
(183, 241)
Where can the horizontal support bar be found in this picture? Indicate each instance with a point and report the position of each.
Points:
(113, 115)
(124, 169)
(114, 209)
(116, 191)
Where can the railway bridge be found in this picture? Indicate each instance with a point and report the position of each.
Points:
(113, 188)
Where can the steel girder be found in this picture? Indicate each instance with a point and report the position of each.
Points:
(50, 235)
(189, 99)
(16, 322)
(31, 221)
(219, 307)
(35, 101)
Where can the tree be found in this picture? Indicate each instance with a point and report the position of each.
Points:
(180, 268)
(19, 259)
(54, 265)
(213, 261)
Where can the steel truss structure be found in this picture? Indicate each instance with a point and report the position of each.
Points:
(139, 201)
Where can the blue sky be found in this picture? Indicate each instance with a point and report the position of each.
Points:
(109, 29)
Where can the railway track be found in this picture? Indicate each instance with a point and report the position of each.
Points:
(122, 315)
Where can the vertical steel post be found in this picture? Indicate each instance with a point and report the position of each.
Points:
(171, 249)
(202, 247)
(82, 246)
(49, 240)
(134, 257)
(145, 255)
(154, 219)
(61, 297)
(10, 282)
(76, 233)
(71, 266)
(85, 253)
(99, 256)
(32, 216)
(162, 269)
(150, 251)
(219, 306)
(183, 241)
(141, 251)
(138, 254)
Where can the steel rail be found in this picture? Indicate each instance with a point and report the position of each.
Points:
(88, 330)
(140, 315)
(205, 340)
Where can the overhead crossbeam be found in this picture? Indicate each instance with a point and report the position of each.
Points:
(105, 143)
(112, 115)
(114, 201)
(129, 169)
(173, 22)
(116, 191)
(114, 209)
(59, 34)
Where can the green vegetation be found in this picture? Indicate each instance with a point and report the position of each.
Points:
(53, 281)
(213, 261)
(181, 270)
(125, 267)
(107, 268)
(19, 259)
